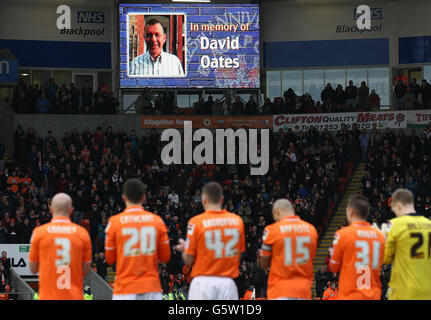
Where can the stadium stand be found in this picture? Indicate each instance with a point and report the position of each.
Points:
(91, 167)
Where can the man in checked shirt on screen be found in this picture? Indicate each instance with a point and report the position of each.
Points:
(156, 62)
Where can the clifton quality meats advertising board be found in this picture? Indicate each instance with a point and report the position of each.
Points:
(333, 121)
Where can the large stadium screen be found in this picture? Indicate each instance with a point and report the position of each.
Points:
(189, 45)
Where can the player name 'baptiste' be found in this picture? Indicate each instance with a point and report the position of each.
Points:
(219, 45)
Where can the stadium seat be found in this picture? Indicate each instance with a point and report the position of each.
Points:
(86, 224)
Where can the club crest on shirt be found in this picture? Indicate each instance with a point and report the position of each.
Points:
(265, 234)
(190, 229)
(336, 238)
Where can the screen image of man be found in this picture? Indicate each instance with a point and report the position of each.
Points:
(155, 62)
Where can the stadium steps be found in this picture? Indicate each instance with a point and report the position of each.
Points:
(111, 275)
(338, 218)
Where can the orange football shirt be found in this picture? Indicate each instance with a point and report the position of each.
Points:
(61, 248)
(357, 253)
(136, 240)
(216, 239)
(291, 243)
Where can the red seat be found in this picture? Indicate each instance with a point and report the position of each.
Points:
(86, 224)
(349, 172)
(342, 180)
(350, 165)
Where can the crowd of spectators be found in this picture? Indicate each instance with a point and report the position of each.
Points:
(351, 98)
(393, 160)
(51, 98)
(411, 95)
(398, 161)
(54, 99)
(91, 167)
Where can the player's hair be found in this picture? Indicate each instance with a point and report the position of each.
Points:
(134, 190)
(284, 205)
(360, 205)
(153, 22)
(213, 191)
(403, 196)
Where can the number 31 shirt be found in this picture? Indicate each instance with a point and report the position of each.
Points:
(357, 252)
(216, 239)
(136, 240)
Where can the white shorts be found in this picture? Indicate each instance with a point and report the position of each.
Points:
(288, 298)
(213, 288)
(139, 296)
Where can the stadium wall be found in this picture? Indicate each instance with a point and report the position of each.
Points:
(19, 284)
(99, 287)
(321, 30)
(30, 31)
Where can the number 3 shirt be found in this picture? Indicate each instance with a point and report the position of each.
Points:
(61, 248)
(136, 240)
(291, 243)
(357, 253)
(216, 239)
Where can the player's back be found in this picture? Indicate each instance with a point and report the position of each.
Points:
(359, 249)
(216, 239)
(409, 239)
(292, 244)
(136, 235)
(61, 248)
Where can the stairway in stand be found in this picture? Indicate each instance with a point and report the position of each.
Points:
(111, 276)
(338, 219)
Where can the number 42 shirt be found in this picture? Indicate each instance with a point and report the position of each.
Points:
(216, 239)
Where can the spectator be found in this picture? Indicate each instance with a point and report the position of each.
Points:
(5, 261)
(363, 93)
(409, 99)
(399, 91)
(351, 95)
(425, 91)
(87, 94)
(374, 100)
(364, 140)
(102, 267)
(43, 104)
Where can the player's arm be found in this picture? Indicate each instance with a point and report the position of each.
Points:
(110, 244)
(164, 249)
(86, 267)
(336, 253)
(266, 250)
(34, 252)
(189, 246)
(391, 241)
